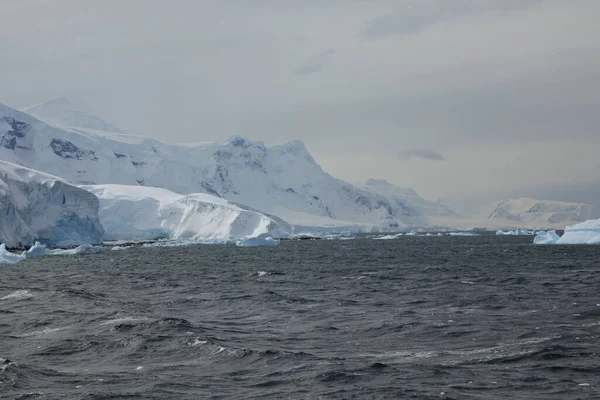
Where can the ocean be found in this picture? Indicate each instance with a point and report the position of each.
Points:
(483, 317)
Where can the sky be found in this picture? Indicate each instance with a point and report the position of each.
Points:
(464, 100)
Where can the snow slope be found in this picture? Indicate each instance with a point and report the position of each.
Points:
(146, 213)
(433, 213)
(38, 206)
(532, 213)
(281, 180)
(59, 111)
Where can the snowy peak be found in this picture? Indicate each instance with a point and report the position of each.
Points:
(61, 112)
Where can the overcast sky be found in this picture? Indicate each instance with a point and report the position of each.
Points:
(454, 98)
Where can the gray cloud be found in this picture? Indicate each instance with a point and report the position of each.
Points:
(316, 63)
(414, 15)
(427, 154)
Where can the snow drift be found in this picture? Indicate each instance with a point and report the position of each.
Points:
(38, 206)
(149, 213)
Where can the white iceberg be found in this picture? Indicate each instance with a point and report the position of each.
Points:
(6, 257)
(462, 234)
(587, 232)
(36, 251)
(42, 207)
(543, 237)
(149, 213)
(258, 241)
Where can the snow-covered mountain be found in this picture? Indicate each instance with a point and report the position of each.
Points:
(532, 213)
(59, 111)
(434, 213)
(38, 206)
(281, 180)
(149, 213)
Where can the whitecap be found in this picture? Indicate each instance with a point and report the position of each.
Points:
(44, 331)
(18, 294)
(124, 319)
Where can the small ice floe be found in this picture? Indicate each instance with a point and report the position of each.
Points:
(139, 368)
(263, 273)
(462, 234)
(258, 241)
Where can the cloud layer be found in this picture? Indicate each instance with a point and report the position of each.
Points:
(427, 154)
(499, 87)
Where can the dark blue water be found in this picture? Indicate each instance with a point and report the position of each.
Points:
(415, 318)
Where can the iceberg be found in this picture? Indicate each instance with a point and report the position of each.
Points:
(41, 207)
(587, 232)
(150, 213)
(36, 251)
(258, 241)
(462, 234)
(6, 257)
(543, 237)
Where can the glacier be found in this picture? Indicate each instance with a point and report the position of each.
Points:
(149, 213)
(41, 207)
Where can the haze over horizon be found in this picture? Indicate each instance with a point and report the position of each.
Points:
(469, 101)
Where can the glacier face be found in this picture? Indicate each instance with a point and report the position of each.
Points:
(281, 180)
(148, 213)
(38, 206)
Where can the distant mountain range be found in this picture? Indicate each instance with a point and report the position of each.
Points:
(284, 181)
